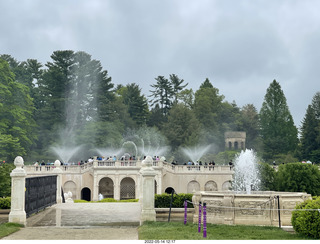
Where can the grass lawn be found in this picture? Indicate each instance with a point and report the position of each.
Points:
(8, 228)
(179, 231)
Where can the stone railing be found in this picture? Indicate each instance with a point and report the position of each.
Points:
(96, 164)
(43, 169)
(134, 164)
(198, 168)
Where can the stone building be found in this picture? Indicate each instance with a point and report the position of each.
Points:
(235, 140)
(122, 179)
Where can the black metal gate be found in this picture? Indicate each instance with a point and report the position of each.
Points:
(41, 192)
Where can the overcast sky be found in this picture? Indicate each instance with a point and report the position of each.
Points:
(241, 46)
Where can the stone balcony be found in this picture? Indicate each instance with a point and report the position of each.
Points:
(128, 165)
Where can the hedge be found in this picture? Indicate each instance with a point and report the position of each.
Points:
(5, 203)
(307, 222)
(163, 200)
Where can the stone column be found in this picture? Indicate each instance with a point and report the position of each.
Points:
(148, 212)
(18, 185)
(95, 194)
(58, 171)
(116, 187)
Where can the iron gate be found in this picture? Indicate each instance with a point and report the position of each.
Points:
(40, 193)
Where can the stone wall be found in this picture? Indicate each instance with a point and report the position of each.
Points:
(260, 208)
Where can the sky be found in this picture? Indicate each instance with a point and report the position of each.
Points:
(241, 46)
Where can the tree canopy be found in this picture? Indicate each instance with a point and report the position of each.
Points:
(73, 96)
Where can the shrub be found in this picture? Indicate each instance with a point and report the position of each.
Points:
(5, 203)
(163, 200)
(307, 222)
(298, 177)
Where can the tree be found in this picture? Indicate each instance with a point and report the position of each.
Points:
(177, 86)
(16, 121)
(309, 134)
(52, 92)
(250, 124)
(316, 105)
(137, 103)
(182, 127)
(279, 135)
(162, 94)
(298, 177)
(5, 179)
(187, 97)
(267, 177)
(207, 108)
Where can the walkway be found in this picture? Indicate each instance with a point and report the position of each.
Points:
(83, 221)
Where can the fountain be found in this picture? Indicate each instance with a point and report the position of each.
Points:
(245, 204)
(246, 172)
(195, 153)
(65, 153)
(135, 151)
(107, 152)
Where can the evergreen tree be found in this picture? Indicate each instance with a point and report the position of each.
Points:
(207, 108)
(310, 131)
(162, 94)
(250, 124)
(279, 135)
(182, 128)
(52, 88)
(137, 103)
(177, 86)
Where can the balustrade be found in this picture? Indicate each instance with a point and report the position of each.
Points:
(96, 164)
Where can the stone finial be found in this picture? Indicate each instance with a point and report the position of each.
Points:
(18, 162)
(57, 163)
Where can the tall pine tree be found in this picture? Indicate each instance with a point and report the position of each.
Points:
(279, 134)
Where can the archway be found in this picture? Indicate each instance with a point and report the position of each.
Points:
(236, 145)
(70, 186)
(106, 187)
(193, 186)
(127, 188)
(86, 194)
(211, 186)
(226, 186)
(169, 190)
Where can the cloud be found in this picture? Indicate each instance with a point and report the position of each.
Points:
(241, 46)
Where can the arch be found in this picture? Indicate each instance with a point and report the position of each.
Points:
(193, 186)
(226, 186)
(169, 190)
(211, 186)
(86, 194)
(106, 187)
(70, 186)
(127, 188)
(230, 145)
(236, 145)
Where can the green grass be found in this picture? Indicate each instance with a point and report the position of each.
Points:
(179, 231)
(8, 228)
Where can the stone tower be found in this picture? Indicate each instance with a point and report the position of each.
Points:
(235, 140)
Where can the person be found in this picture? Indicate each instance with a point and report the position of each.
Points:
(230, 164)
